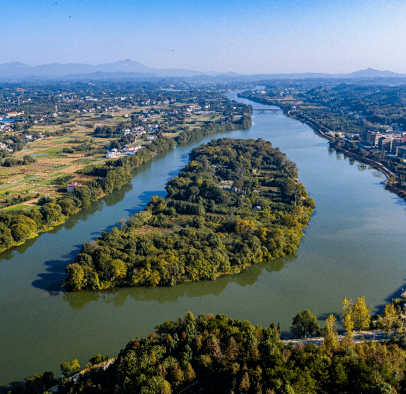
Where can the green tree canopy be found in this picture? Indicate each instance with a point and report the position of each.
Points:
(304, 323)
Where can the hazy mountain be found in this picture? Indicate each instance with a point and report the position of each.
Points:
(20, 70)
(368, 73)
(8, 70)
(109, 76)
(16, 72)
(371, 73)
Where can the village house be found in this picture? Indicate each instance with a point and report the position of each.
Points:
(131, 149)
(72, 186)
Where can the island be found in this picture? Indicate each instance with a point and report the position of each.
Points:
(235, 204)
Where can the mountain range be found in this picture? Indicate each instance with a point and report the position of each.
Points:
(129, 69)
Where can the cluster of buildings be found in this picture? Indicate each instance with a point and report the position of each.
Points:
(141, 130)
(4, 146)
(391, 141)
(128, 150)
(5, 127)
(7, 121)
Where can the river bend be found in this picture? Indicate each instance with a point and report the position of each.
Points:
(354, 246)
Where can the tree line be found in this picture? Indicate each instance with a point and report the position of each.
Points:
(219, 354)
(14, 161)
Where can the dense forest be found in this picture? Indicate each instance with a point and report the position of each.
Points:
(236, 203)
(216, 354)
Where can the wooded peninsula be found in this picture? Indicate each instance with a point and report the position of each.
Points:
(237, 203)
(217, 354)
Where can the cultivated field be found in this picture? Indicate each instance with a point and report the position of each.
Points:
(54, 168)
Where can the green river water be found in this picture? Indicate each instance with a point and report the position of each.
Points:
(354, 246)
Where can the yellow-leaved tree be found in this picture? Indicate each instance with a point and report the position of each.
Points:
(389, 317)
(348, 324)
(330, 342)
(361, 314)
(166, 388)
(118, 269)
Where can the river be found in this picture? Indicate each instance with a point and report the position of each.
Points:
(354, 246)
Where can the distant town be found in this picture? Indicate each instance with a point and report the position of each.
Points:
(365, 121)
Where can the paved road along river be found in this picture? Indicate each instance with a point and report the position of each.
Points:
(354, 246)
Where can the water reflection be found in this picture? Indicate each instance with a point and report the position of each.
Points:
(55, 272)
(117, 297)
(361, 167)
(354, 248)
(378, 174)
(118, 195)
(20, 249)
(144, 198)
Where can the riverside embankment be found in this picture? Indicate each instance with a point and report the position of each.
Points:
(328, 134)
(376, 164)
(353, 247)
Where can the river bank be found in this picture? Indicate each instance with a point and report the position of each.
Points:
(356, 226)
(391, 176)
(237, 203)
(108, 177)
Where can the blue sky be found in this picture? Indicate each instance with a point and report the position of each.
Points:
(242, 36)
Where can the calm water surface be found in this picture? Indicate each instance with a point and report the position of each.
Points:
(354, 246)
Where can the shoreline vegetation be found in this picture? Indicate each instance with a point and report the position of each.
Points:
(219, 354)
(237, 203)
(392, 179)
(18, 226)
(216, 353)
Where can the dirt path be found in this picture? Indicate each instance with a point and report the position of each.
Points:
(358, 337)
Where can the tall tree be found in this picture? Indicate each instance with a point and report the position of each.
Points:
(348, 323)
(304, 323)
(330, 342)
(389, 317)
(361, 314)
